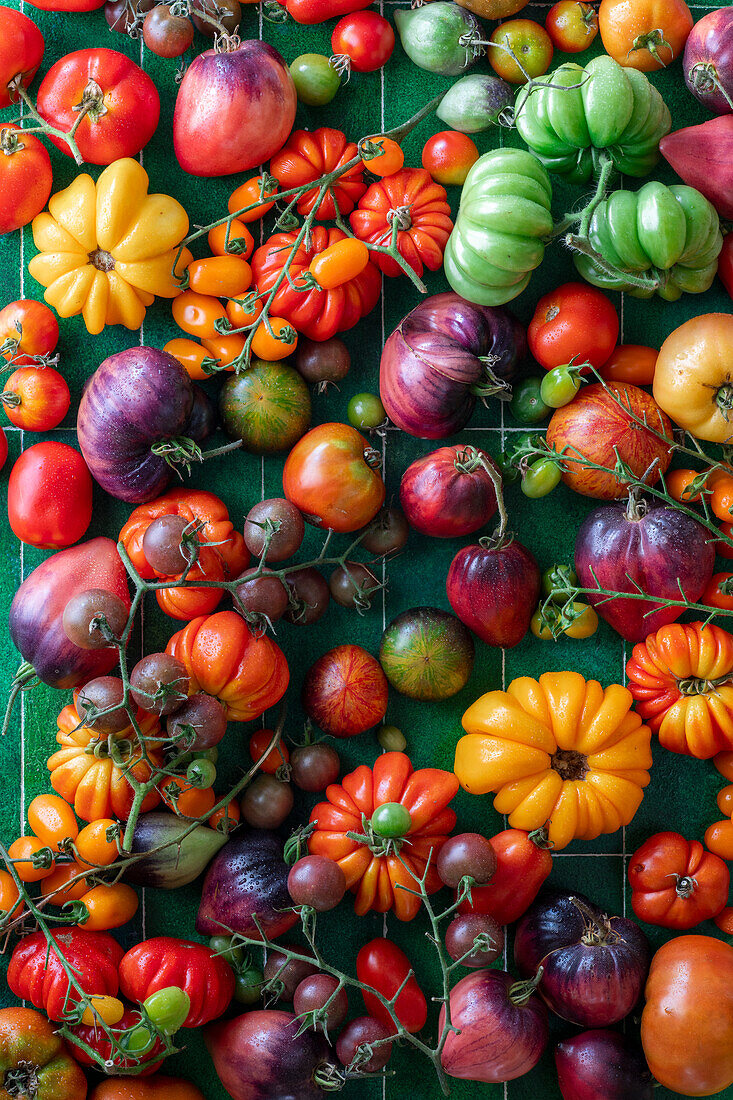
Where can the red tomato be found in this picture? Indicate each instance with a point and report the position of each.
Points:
(97, 1039)
(721, 548)
(126, 104)
(575, 322)
(714, 596)
(530, 45)
(572, 25)
(523, 862)
(384, 966)
(50, 496)
(675, 883)
(3, 448)
(21, 50)
(448, 156)
(365, 39)
(37, 975)
(164, 961)
(633, 363)
(36, 398)
(67, 5)
(725, 263)
(25, 178)
(27, 329)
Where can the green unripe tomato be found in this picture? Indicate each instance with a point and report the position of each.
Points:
(365, 411)
(138, 1041)
(248, 986)
(225, 946)
(541, 478)
(316, 81)
(559, 386)
(201, 773)
(168, 1008)
(391, 820)
(559, 581)
(392, 739)
(526, 405)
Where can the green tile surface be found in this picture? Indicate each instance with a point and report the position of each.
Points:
(682, 791)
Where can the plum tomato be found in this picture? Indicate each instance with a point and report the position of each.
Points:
(559, 386)
(572, 25)
(50, 496)
(541, 478)
(633, 363)
(21, 51)
(575, 323)
(448, 156)
(362, 41)
(520, 48)
(28, 329)
(316, 80)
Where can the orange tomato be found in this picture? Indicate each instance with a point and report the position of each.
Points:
(187, 801)
(448, 156)
(226, 819)
(23, 849)
(275, 758)
(109, 1010)
(33, 329)
(725, 800)
(721, 501)
(52, 820)
(275, 345)
(253, 191)
(58, 882)
(719, 838)
(241, 241)
(644, 34)
(722, 548)
(226, 348)
(678, 483)
(93, 846)
(191, 356)
(220, 276)
(724, 764)
(724, 920)
(339, 263)
(631, 363)
(389, 161)
(9, 894)
(196, 313)
(713, 596)
(109, 906)
(241, 316)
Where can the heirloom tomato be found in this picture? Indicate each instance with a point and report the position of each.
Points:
(36, 1060)
(384, 966)
(21, 51)
(345, 692)
(306, 156)
(573, 324)
(316, 81)
(675, 883)
(25, 178)
(158, 1088)
(644, 34)
(631, 363)
(50, 496)
(143, 1063)
(523, 862)
(36, 974)
(692, 377)
(571, 25)
(165, 961)
(27, 329)
(36, 398)
(448, 156)
(530, 45)
(331, 475)
(67, 5)
(365, 39)
(231, 238)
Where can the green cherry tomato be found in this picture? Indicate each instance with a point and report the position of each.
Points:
(225, 946)
(365, 411)
(201, 773)
(526, 405)
(391, 820)
(539, 626)
(558, 582)
(541, 478)
(168, 1008)
(211, 754)
(559, 386)
(248, 986)
(316, 81)
(392, 739)
(138, 1041)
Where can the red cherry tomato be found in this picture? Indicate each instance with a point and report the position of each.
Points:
(448, 156)
(50, 496)
(384, 966)
(36, 398)
(21, 50)
(27, 329)
(725, 263)
(572, 25)
(577, 323)
(365, 38)
(25, 178)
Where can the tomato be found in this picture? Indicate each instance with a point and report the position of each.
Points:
(681, 486)
(21, 51)
(36, 398)
(50, 496)
(163, 962)
(366, 412)
(252, 192)
(331, 476)
(27, 329)
(316, 81)
(25, 178)
(530, 44)
(719, 591)
(37, 1059)
(193, 357)
(722, 548)
(584, 621)
(144, 1057)
(67, 5)
(391, 820)
(159, 1088)
(523, 862)
(384, 966)
(52, 820)
(725, 800)
(93, 844)
(541, 478)
(109, 1010)
(185, 799)
(220, 276)
(242, 316)
(719, 839)
(675, 883)
(274, 339)
(384, 163)
(109, 906)
(575, 323)
(196, 314)
(278, 756)
(24, 849)
(60, 887)
(231, 237)
(571, 25)
(723, 762)
(365, 39)
(36, 974)
(725, 263)
(559, 386)
(226, 819)
(126, 105)
(225, 349)
(308, 155)
(644, 34)
(339, 263)
(448, 156)
(631, 363)
(724, 920)
(9, 894)
(168, 1008)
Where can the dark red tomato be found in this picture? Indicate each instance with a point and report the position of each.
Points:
(67, 5)
(725, 263)
(365, 38)
(523, 862)
(448, 156)
(125, 104)
(572, 25)
(575, 322)
(25, 178)
(27, 329)
(384, 966)
(21, 50)
(50, 496)
(36, 398)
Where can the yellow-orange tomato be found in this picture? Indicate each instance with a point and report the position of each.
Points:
(724, 920)
(227, 818)
(9, 894)
(52, 820)
(253, 191)
(93, 846)
(226, 348)
(719, 838)
(275, 758)
(386, 163)
(196, 313)
(339, 263)
(644, 34)
(191, 356)
(725, 800)
(633, 363)
(241, 241)
(109, 906)
(240, 316)
(23, 849)
(187, 801)
(63, 874)
(275, 345)
(678, 485)
(721, 502)
(724, 764)
(108, 1009)
(220, 276)
(520, 42)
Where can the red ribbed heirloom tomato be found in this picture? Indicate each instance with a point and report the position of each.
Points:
(35, 973)
(371, 866)
(25, 178)
(21, 51)
(317, 314)
(33, 1056)
(165, 961)
(419, 206)
(50, 496)
(675, 883)
(384, 966)
(345, 692)
(309, 154)
(680, 681)
(125, 104)
(96, 1038)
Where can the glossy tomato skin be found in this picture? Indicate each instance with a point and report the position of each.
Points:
(27, 1040)
(448, 156)
(3, 448)
(448, 493)
(50, 496)
(675, 883)
(522, 865)
(36, 398)
(345, 691)
(21, 50)
(128, 112)
(165, 961)
(366, 38)
(602, 1065)
(37, 975)
(572, 25)
(575, 322)
(25, 178)
(329, 476)
(33, 325)
(529, 41)
(495, 591)
(633, 363)
(67, 5)
(384, 966)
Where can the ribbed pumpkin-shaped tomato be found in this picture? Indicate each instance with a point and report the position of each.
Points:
(308, 155)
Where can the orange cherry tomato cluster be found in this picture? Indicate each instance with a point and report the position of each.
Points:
(719, 835)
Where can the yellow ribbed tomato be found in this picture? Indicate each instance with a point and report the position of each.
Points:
(107, 249)
(680, 679)
(562, 752)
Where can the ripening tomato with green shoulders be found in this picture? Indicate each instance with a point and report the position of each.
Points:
(575, 323)
(27, 329)
(50, 496)
(572, 25)
(520, 48)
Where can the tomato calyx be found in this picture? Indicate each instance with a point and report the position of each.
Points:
(10, 139)
(703, 76)
(22, 1082)
(328, 1077)
(540, 838)
(103, 261)
(569, 764)
(685, 886)
(652, 41)
(693, 686)
(724, 399)
(341, 62)
(521, 992)
(400, 216)
(597, 931)
(391, 835)
(92, 101)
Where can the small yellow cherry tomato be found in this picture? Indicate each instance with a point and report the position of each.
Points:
(93, 845)
(585, 624)
(339, 263)
(109, 1010)
(9, 894)
(226, 348)
(539, 627)
(725, 800)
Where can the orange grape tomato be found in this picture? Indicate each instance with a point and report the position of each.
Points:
(386, 163)
(220, 276)
(724, 920)
(189, 801)
(721, 501)
(191, 356)
(23, 849)
(253, 191)
(92, 845)
(240, 316)
(719, 838)
(9, 894)
(724, 764)
(58, 881)
(339, 263)
(725, 800)
(722, 548)
(241, 241)
(196, 313)
(109, 906)
(678, 482)
(109, 1010)
(448, 157)
(713, 597)
(52, 819)
(277, 345)
(258, 742)
(226, 348)
(226, 819)
(633, 363)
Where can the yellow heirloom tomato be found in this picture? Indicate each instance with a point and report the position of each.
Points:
(693, 378)
(107, 249)
(562, 752)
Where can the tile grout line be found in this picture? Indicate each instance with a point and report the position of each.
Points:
(22, 762)
(384, 440)
(143, 891)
